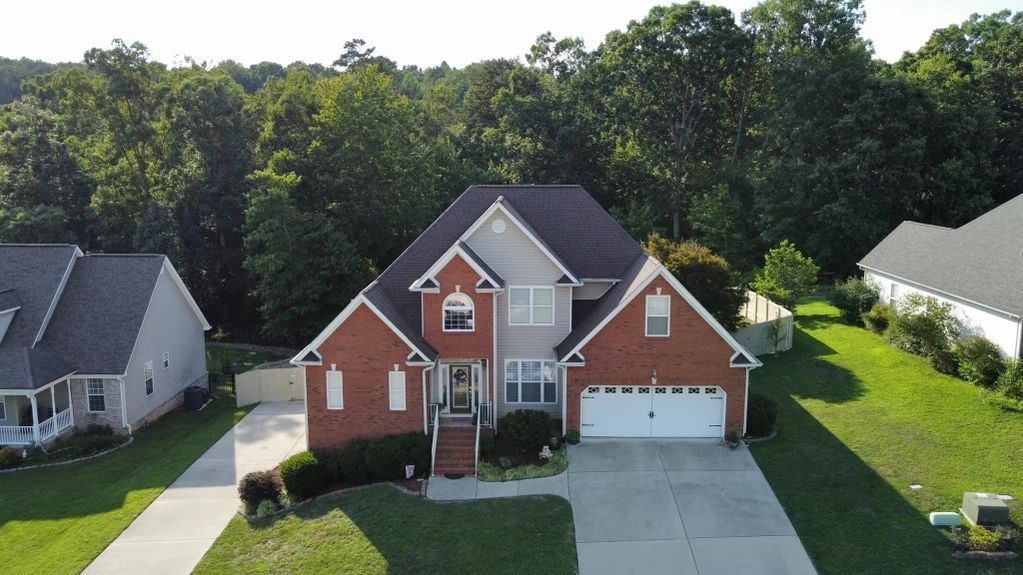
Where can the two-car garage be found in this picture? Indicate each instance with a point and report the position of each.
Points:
(652, 411)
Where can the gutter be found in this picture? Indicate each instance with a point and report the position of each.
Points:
(953, 296)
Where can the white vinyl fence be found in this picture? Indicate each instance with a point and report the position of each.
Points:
(770, 326)
(275, 381)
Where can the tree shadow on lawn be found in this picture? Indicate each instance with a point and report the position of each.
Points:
(533, 534)
(849, 518)
(803, 372)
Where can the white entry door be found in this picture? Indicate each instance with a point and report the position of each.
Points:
(646, 411)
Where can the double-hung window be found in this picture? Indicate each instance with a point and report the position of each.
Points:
(531, 306)
(148, 368)
(530, 381)
(335, 390)
(658, 308)
(94, 393)
(458, 312)
(396, 390)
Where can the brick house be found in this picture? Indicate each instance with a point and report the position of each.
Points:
(523, 297)
(92, 339)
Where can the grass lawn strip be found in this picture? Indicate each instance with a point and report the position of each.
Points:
(859, 422)
(380, 531)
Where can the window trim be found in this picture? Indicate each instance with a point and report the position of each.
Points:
(532, 305)
(647, 316)
(102, 394)
(340, 388)
(444, 313)
(543, 384)
(391, 383)
(148, 378)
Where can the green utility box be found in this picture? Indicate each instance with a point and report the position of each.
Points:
(985, 509)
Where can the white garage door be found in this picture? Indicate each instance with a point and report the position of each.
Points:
(645, 411)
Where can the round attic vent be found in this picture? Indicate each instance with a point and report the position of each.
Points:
(498, 226)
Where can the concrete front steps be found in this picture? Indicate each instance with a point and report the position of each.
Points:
(456, 449)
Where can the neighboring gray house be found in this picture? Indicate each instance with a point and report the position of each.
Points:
(977, 267)
(98, 338)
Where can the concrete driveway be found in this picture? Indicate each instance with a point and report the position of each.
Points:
(677, 506)
(176, 530)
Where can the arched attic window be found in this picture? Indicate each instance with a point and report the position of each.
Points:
(458, 312)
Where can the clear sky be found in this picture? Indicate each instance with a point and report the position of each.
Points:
(421, 32)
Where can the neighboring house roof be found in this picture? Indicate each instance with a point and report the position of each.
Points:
(981, 261)
(35, 273)
(579, 236)
(95, 304)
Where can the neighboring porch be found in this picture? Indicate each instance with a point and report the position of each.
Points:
(37, 416)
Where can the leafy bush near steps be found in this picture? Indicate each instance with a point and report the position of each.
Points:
(528, 429)
(761, 415)
(302, 475)
(854, 297)
(980, 361)
(9, 458)
(879, 317)
(380, 459)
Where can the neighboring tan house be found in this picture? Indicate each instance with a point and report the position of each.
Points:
(98, 338)
(523, 297)
(977, 267)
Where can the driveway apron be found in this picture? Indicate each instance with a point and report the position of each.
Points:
(677, 506)
(176, 530)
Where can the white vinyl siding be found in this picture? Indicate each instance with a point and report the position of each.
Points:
(530, 381)
(531, 306)
(335, 390)
(166, 359)
(396, 390)
(148, 376)
(96, 398)
(658, 313)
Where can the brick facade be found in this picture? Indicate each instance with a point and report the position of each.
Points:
(694, 355)
(364, 349)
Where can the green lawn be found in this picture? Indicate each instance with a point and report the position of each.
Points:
(381, 531)
(859, 422)
(57, 520)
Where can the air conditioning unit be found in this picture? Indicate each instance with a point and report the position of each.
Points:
(985, 509)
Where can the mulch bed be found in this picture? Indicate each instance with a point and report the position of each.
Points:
(504, 448)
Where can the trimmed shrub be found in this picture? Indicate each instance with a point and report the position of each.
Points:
(854, 297)
(259, 486)
(944, 361)
(487, 446)
(527, 429)
(419, 453)
(266, 508)
(984, 539)
(926, 327)
(879, 317)
(352, 462)
(980, 361)
(385, 458)
(761, 415)
(1010, 383)
(302, 475)
(97, 429)
(573, 437)
(330, 461)
(9, 458)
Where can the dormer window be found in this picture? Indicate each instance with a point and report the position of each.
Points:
(458, 312)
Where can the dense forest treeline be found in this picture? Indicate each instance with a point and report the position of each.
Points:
(280, 191)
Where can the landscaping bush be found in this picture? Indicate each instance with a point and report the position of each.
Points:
(486, 446)
(9, 458)
(302, 475)
(330, 461)
(353, 462)
(944, 361)
(1010, 382)
(787, 275)
(259, 486)
(980, 361)
(573, 437)
(85, 444)
(527, 429)
(266, 508)
(879, 317)
(984, 539)
(385, 459)
(98, 429)
(854, 297)
(924, 326)
(762, 412)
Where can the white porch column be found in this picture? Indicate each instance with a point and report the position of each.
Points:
(53, 402)
(70, 406)
(35, 418)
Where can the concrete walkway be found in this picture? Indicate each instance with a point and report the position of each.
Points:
(444, 489)
(176, 530)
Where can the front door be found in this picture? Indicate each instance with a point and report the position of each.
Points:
(461, 388)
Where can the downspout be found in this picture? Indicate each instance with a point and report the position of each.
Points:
(426, 416)
(745, 404)
(564, 400)
(124, 409)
